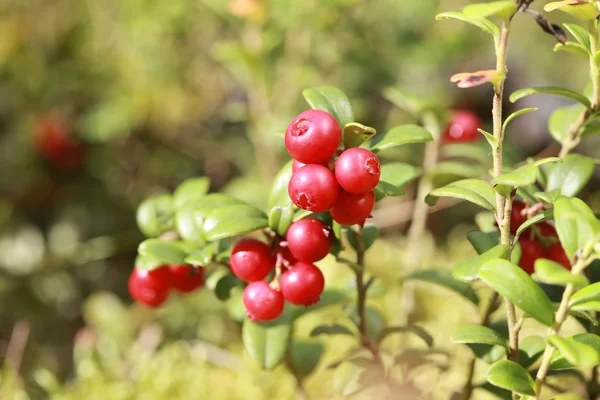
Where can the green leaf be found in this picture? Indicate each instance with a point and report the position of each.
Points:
(278, 196)
(530, 350)
(588, 338)
(225, 285)
(148, 263)
(443, 277)
(516, 114)
(552, 90)
(190, 190)
(580, 34)
(537, 218)
(369, 234)
(331, 100)
(500, 9)
(280, 218)
(491, 139)
(591, 128)
(155, 215)
(474, 190)
(233, 220)
(189, 224)
(561, 120)
(414, 329)
(482, 23)
(569, 396)
(267, 342)
(571, 47)
(576, 224)
(393, 177)
(455, 170)
(548, 271)
(305, 356)
(570, 176)
(167, 252)
(483, 241)
(473, 151)
(516, 285)
(477, 334)
(202, 257)
(577, 8)
(468, 270)
(511, 376)
(374, 320)
(547, 197)
(333, 329)
(588, 294)
(577, 354)
(495, 391)
(356, 134)
(398, 136)
(521, 177)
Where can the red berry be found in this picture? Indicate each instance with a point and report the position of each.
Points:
(302, 284)
(517, 218)
(150, 287)
(251, 260)
(352, 209)
(53, 141)
(262, 302)
(547, 230)
(296, 165)
(309, 239)
(186, 278)
(357, 170)
(463, 127)
(557, 254)
(531, 250)
(313, 188)
(313, 137)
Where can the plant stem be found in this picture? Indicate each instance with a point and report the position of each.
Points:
(561, 316)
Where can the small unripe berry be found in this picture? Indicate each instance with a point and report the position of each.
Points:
(313, 137)
(557, 254)
(309, 239)
(251, 260)
(150, 287)
(350, 209)
(313, 188)
(463, 127)
(302, 284)
(531, 250)
(185, 278)
(357, 170)
(262, 302)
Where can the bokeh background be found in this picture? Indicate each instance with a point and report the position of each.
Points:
(143, 94)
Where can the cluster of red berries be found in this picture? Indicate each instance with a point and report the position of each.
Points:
(319, 182)
(299, 281)
(531, 246)
(53, 141)
(463, 127)
(152, 287)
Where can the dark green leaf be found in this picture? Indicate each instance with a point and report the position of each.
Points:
(511, 376)
(190, 190)
(155, 215)
(477, 334)
(225, 285)
(548, 271)
(333, 329)
(400, 135)
(482, 23)
(576, 224)
(443, 277)
(331, 100)
(234, 220)
(474, 190)
(369, 235)
(483, 241)
(393, 177)
(280, 218)
(167, 252)
(517, 286)
(278, 196)
(414, 329)
(356, 134)
(305, 356)
(552, 90)
(267, 342)
(570, 176)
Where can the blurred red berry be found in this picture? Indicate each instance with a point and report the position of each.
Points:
(262, 302)
(313, 137)
(517, 217)
(150, 287)
(302, 284)
(463, 127)
(357, 170)
(557, 254)
(251, 260)
(186, 278)
(531, 250)
(52, 140)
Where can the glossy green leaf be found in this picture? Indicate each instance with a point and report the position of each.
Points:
(483, 241)
(466, 270)
(577, 354)
(355, 134)
(148, 263)
(562, 119)
(267, 342)
(278, 195)
(443, 277)
(576, 224)
(501, 9)
(517, 286)
(588, 294)
(547, 197)
(551, 90)
(482, 23)
(536, 219)
(477, 334)
(474, 190)
(394, 176)
(280, 218)
(189, 222)
(398, 136)
(588, 338)
(233, 220)
(516, 114)
(333, 329)
(570, 176)
(571, 47)
(155, 215)
(511, 376)
(168, 252)
(521, 177)
(305, 356)
(369, 234)
(578, 8)
(414, 329)
(548, 271)
(331, 100)
(580, 34)
(190, 190)
(201, 257)
(531, 349)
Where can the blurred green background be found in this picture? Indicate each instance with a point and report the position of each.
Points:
(151, 92)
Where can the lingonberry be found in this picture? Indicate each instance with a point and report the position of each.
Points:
(517, 216)
(302, 284)
(557, 254)
(314, 188)
(251, 260)
(350, 209)
(150, 287)
(309, 239)
(313, 137)
(463, 127)
(547, 230)
(52, 140)
(531, 250)
(262, 302)
(357, 170)
(185, 278)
